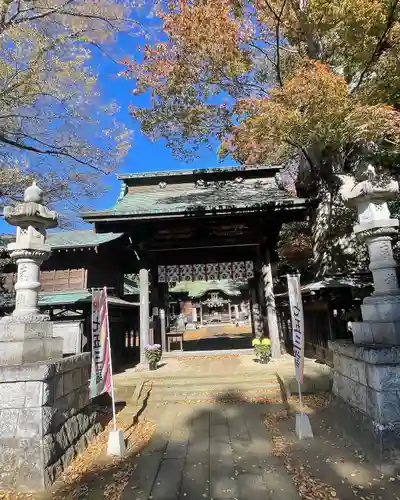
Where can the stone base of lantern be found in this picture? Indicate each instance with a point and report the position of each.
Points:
(381, 321)
(28, 342)
(386, 333)
(367, 379)
(45, 419)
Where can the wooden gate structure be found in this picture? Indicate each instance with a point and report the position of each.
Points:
(201, 224)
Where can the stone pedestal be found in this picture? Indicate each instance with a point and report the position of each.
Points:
(45, 420)
(367, 372)
(23, 342)
(368, 379)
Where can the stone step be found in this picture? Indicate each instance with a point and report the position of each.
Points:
(217, 390)
(231, 384)
(211, 379)
(216, 394)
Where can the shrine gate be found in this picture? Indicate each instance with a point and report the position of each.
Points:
(220, 223)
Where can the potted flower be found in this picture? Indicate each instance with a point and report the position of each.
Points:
(262, 349)
(153, 355)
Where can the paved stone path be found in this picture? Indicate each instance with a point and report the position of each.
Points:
(202, 452)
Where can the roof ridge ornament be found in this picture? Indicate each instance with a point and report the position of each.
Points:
(123, 192)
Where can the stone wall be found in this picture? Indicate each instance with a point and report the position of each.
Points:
(45, 420)
(368, 379)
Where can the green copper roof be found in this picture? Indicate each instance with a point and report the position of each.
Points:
(64, 297)
(69, 239)
(130, 287)
(196, 289)
(72, 297)
(184, 197)
(79, 238)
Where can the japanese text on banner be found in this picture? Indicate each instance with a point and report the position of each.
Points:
(101, 369)
(297, 317)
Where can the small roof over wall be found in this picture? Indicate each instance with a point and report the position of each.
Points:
(209, 190)
(59, 240)
(71, 298)
(332, 284)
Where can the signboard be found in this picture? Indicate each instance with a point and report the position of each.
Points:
(297, 316)
(101, 362)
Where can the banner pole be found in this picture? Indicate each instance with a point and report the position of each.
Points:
(110, 361)
(303, 425)
(300, 397)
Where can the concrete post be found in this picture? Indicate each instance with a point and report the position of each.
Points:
(270, 307)
(144, 311)
(163, 330)
(194, 314)
(237, 316)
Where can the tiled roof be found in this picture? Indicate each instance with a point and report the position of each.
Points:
(69, 297)
(262, 169)
(196, 289)
(130, 287)
(70, 239)
(79, 238)
(166, 198)
(64, 297)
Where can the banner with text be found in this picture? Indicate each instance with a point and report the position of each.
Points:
(297, 317)
(101, 367)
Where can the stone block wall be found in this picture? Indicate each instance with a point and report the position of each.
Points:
(368, 379)
(45, 420)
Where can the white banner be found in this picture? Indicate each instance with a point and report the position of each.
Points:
(297, 316)
(101, 353)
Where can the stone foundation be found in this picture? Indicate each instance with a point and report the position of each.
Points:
(45, 420)
(368, 379)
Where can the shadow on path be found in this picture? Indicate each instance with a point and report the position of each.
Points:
(215, 451)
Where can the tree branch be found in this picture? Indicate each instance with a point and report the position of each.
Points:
(278, 53)
(51, 152)
(376, 53)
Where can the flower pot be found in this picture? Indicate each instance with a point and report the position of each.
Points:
(153, 365)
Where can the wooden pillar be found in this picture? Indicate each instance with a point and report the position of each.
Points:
(258, 330)
(270, 307)
(144, 311)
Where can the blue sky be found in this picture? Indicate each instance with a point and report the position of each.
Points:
(144, 155)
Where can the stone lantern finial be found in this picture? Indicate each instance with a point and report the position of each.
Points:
(33, 193)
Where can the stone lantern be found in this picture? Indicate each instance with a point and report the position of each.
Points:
(366, 374)
(27, 335)
(46, 418)
(381, 311)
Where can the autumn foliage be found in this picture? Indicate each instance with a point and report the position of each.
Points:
(274, 80)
